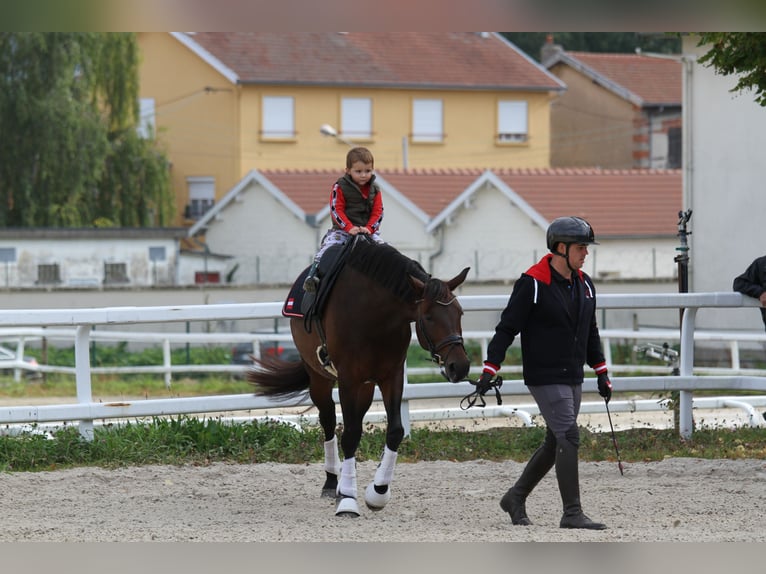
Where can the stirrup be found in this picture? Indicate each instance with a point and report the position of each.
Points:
(311, 284)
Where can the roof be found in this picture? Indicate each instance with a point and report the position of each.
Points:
(644, 80)
(617, 203)
(441, 60)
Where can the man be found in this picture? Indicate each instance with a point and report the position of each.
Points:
(553, 306)
(753, 283)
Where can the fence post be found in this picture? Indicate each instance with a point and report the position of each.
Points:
(82, 375)
(686, 367)
(166, 361)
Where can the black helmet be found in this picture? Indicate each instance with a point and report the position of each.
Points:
(569, 230)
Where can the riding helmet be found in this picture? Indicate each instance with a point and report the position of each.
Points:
(570, 230)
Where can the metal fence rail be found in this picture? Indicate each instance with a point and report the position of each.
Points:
(84, 320)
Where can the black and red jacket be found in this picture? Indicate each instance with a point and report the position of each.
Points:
(555, 343)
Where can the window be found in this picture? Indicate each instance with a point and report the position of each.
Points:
(115, 273)
(48, 274)
(146, 126)
(427, 121)
(512, 122)
(201, 196)
(356, 118)
(278, 119)
(674, 148)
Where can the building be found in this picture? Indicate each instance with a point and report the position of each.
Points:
(226, 103)
(620, 111)
(493, 221)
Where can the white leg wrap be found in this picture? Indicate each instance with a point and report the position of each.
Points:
(331, 458)
(347, 482)
(385, 472)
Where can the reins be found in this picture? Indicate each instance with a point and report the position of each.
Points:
(478, 395)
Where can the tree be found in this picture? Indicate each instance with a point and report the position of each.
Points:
(738, 53)
(616, 42)
(70, 155)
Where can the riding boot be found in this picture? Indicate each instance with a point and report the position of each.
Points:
(542, 460)
(311, 283)
(567, 474)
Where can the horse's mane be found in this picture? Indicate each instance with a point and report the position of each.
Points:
(389, 268)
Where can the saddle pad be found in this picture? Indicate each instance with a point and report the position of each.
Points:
(292, 305)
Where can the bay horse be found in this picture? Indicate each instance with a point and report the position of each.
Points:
(366, 329)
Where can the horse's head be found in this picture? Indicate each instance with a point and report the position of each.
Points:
(438, 324)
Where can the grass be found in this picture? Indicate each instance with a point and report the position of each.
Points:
(189, 440)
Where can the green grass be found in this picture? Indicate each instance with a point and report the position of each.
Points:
(188, 440)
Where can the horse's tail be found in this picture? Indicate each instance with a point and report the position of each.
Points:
(273, 377)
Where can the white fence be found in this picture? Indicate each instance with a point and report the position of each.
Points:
(86, 411)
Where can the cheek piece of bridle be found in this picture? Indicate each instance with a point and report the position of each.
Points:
(449, 342)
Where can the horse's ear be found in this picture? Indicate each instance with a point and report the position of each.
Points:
(417, 285)
(458, 279)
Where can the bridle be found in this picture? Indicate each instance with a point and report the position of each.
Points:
(449, 342)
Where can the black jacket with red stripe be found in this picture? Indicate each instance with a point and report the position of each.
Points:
(555, 341)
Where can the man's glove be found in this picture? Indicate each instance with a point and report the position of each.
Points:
(484, 383)
(604, 386)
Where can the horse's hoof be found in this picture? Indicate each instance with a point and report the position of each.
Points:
(328, 493)
(347, 506)
(377, 497)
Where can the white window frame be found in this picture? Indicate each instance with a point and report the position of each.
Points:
(277, 117)
(427, 120)
(201, 195)
(512, 121)
(356, 118)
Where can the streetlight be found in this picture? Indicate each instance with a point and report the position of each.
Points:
(328, 130)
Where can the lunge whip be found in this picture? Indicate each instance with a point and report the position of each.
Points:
(614, 438)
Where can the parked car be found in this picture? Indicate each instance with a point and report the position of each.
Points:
(242, 353)
(8, 355)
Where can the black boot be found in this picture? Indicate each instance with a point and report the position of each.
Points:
(311, 283)
(567, 474)
(514, 501)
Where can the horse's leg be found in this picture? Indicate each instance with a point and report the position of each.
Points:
(378, 492)
(321, 395)
(354, 402)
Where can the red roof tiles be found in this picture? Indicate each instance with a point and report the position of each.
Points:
(443, 59)
(615, 202)
(655, 80)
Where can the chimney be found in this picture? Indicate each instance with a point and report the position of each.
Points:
(549, 50)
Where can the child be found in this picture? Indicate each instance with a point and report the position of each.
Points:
(356, 206)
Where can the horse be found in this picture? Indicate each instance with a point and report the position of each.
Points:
(361, 340)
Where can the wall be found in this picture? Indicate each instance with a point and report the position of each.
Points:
(725, 178)
(199, 129)
(81, 261)
(591, 126)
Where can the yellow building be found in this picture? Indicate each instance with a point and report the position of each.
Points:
(226, 103)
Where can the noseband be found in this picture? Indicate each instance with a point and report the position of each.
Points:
(450, 341)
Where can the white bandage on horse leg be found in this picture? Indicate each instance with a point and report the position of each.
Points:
(347, 483)
(331, 458)
(385, 472)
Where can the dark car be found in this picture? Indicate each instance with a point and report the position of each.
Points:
(241, 353)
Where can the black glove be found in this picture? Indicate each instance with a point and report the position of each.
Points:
(484, 383)
(604, 386)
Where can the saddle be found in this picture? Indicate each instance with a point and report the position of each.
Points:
(310, 306)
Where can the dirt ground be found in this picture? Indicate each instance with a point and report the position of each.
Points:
(684, 500)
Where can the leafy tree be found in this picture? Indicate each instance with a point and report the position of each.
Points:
(616, 42)
(70, 155)
(738, 53)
